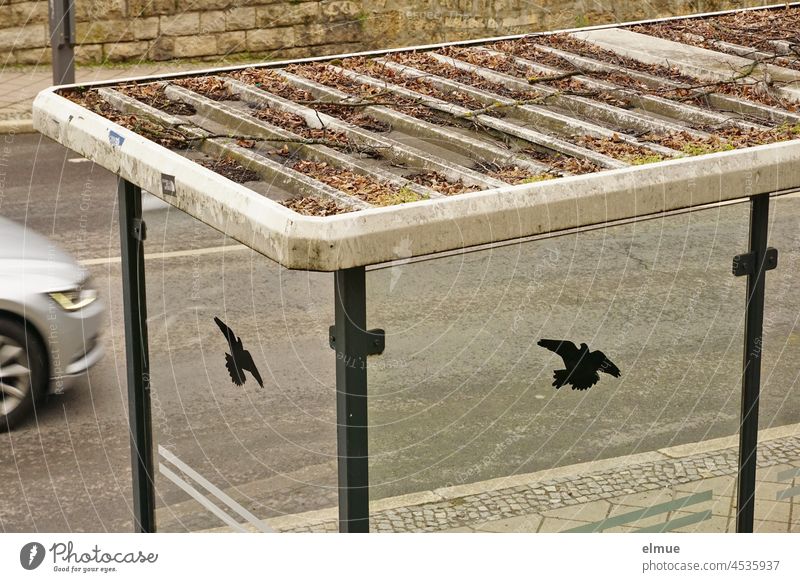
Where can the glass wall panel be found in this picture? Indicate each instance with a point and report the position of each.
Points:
(227, 455)
(463, 410)
(778, 474)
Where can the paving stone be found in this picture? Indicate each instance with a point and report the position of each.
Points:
(764, 526)
(594, 511)
(647, 499)
(555, 524)
(773, 511)
(522, 523)
(769, 491)
(641, 522)
(716, 524)
(771, 473)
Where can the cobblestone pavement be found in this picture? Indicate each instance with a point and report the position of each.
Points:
(589, 500)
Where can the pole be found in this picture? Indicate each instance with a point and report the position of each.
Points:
(760, 259)
(347, 338)
(62, 39)
(132, 235)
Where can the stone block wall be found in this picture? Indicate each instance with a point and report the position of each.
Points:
(215, 30)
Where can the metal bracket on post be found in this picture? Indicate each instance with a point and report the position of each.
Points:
(372, 341)
(754, 264)
(745, 264)
(352, 342)
(62, 40)
(132, 234)
(139, 229)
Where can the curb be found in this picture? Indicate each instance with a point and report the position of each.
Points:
(768, 434)
(13, 126)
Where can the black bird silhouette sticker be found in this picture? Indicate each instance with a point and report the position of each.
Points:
(581, 365)
(239, 359)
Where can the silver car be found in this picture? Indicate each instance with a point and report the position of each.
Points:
(50, 318)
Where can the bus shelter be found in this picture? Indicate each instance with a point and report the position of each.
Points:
(338, 164)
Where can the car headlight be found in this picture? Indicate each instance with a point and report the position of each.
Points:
(74, 299)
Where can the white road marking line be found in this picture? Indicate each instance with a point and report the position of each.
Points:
(200, 498)
(213, 489)
(167, 255)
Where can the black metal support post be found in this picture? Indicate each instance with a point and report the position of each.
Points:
(353, 343)
(62, 39)
(132, 235)
(754, 264)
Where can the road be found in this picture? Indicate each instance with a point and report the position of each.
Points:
(462, 393)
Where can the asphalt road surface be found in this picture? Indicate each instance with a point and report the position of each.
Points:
(462, 392)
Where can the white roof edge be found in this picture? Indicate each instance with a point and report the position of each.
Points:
(371, 236)
(215, 200)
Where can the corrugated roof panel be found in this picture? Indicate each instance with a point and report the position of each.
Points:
(456, 145)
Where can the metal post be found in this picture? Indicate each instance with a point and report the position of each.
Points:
(353, 343)
(132, 235)
(62, 39)
(754, 264)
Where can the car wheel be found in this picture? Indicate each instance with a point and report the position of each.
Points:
(23, 372)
